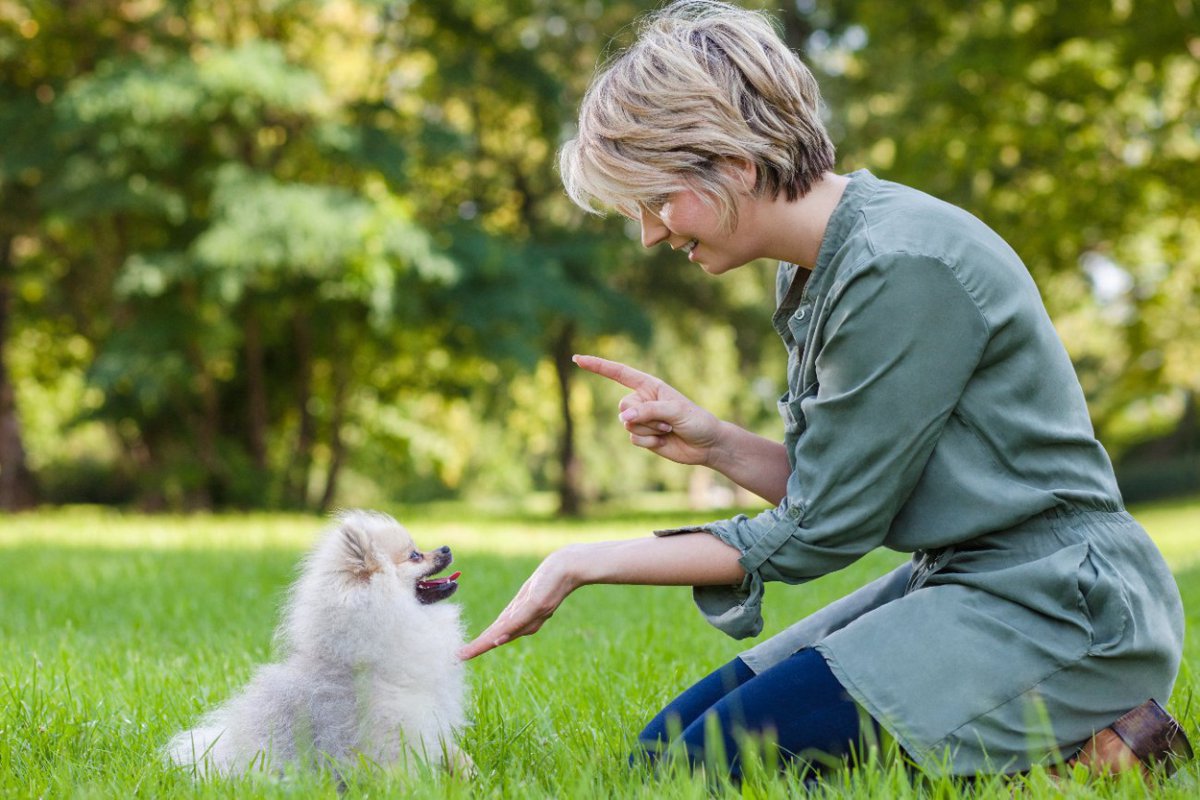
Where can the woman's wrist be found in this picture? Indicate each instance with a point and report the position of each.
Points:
(750, 461)
(571, 567)
(722, 453)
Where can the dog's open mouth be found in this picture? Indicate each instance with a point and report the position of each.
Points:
(432, 590)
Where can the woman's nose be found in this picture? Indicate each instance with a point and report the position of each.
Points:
(653, 229)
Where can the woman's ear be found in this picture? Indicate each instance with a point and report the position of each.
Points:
(744, 171)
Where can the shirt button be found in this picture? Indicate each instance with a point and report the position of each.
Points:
(801, 314)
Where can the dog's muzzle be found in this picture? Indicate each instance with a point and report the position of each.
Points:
(431, 590)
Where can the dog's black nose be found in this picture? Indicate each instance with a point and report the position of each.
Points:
(443, 549)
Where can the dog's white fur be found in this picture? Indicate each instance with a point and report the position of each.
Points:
(367, 670)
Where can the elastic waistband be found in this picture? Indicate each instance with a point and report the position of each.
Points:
(1041, 535)
(1067, 515)
(1061, 512)
(1060, 520)
(1053, 528)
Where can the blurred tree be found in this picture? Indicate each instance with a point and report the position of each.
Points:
(491, 88)
(236, 196)
(491, 93)
(32, 70)
(18, 488)
(294, 240)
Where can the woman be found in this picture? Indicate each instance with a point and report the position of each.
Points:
(930, 409)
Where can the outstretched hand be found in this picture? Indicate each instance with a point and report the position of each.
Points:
(657, 416)
(536, 602)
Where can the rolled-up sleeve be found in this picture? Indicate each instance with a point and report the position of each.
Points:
(896, 349)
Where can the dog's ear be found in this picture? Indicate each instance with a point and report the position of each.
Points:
(360, 561)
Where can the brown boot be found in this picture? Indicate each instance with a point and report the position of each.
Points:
(1147, 739)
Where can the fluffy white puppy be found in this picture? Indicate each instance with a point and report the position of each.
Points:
(369, 664)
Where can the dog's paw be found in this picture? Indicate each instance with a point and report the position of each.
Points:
(460, 764)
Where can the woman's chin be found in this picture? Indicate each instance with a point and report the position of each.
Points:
(717, 267)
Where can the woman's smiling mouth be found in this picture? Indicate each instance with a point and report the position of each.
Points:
(690, 246)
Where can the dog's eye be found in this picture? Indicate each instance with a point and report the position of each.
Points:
(414, 556)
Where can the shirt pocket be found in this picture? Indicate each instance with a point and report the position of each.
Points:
(1104, 602)
(792, 412)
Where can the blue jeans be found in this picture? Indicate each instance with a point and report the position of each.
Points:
(798, 704)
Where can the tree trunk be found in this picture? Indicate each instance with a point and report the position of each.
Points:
(134, 443)
(256, 393)
(337, 447)
(206, 426)
(18, 487)
(570, 493)
(296, 486)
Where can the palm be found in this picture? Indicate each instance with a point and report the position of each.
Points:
(536, 601)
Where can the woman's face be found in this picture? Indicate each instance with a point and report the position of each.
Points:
(686, 222)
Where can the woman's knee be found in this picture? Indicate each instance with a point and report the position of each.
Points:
(793, 710)
(695, 701)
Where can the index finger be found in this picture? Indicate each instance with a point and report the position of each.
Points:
(480, 645)
(499, 632)
(616, 371)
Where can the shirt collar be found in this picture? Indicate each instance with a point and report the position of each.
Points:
(801, 282)
(845, 215)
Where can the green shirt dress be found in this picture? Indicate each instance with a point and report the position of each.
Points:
(932, 409)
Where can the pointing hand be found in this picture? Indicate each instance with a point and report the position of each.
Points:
(657, 416)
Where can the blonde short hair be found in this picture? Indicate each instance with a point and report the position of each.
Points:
(704, 84)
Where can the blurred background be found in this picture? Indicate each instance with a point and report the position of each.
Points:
(293, 254)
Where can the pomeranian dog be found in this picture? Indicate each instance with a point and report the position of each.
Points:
(369, 666)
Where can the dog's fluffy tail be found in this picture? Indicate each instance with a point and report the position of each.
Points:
(203, 750)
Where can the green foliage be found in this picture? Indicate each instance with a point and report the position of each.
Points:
(120, 630)
(276, 253)
(253, 247)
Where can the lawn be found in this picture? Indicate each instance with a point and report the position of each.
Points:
(118, 630)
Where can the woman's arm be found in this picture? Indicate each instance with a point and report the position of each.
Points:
(664, 421)
(753, 462)
(694, 559)
(689, 559)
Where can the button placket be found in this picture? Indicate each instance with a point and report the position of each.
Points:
(798, 326)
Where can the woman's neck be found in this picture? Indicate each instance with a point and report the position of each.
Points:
(793, 231)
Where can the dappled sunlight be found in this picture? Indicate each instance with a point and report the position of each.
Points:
(103, 529)
(108, 530)
(1172, 525)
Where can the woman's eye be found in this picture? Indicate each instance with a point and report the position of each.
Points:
(414, 556)
(651, 205)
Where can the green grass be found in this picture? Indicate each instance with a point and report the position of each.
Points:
(117, 631)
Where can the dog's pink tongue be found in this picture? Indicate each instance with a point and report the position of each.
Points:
(440, 581)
